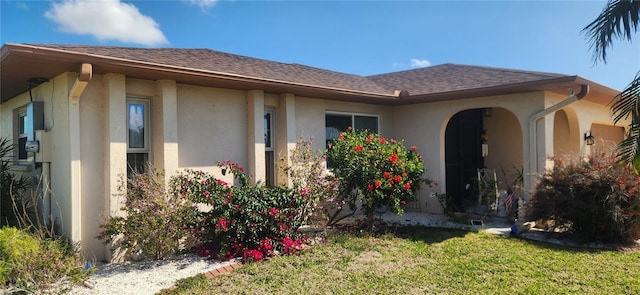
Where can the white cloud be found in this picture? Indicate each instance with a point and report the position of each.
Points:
(204, 4)
(106, 20)
(419, 63)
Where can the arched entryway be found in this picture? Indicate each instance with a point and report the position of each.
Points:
(566, 134)
(466, 132)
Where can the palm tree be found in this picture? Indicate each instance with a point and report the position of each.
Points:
(619, 20)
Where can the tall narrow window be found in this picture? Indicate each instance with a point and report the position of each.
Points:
(137, 134)
(22, 136)
(269, 160)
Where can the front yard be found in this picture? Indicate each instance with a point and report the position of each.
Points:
(420, 260)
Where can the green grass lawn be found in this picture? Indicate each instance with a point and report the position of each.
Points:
(431, 261)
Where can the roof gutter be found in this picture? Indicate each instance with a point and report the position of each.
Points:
(533, 130)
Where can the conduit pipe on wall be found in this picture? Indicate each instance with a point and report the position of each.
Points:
(75, 184)
(533, 130)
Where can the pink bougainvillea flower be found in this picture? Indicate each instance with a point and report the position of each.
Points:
(349, 128)
(413, 148)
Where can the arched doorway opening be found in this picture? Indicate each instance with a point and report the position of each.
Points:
(481, 138)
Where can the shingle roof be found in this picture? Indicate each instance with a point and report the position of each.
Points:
(453, 77)
(210, 68)
(216, 61)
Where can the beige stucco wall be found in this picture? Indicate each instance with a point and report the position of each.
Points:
(424, 125)
(197, 127)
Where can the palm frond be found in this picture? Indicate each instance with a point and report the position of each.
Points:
(627, 102)
(627, 149)
(618, 20)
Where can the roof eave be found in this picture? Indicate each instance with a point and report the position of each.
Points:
(557, 84)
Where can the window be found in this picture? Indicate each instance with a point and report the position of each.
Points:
(21, 135)
(137, 134)
(336, 123)
(269, 155)
(339, 122)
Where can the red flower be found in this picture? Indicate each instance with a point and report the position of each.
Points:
(222, 223)
(407, 186)
(413, 148)
(378, 183)
(349, 128)
(398, 178)
(358, 148)
(273, 211)
(369, 187)
(340, 136)
(386, 174)
(253, 255)
(383, 140)
(393, 158)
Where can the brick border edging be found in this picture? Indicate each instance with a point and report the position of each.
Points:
(223, 269)
(217, 271)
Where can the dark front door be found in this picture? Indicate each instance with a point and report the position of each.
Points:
(463, 154)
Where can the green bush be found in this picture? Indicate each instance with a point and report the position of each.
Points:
(379, 172)
(244, 220)
(155, 221)
(31, 263)
(12, 186)
(597, 198)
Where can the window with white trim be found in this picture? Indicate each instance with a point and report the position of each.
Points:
(21, 136)
(339, 122)
(137, 134)
(269, 147)
(335, 123)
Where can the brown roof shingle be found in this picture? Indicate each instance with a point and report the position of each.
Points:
(453, 77)
(220, 62)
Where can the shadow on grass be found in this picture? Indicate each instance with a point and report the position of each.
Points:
(546, 240)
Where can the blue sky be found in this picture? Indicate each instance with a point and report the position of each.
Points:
(356, 37)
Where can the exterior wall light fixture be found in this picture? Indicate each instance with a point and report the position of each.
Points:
(588, 138)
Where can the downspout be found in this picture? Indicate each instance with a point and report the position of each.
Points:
(533, 132)
(75, 184)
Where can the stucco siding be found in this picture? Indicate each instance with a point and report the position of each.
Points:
(211, 127)
(92, 150)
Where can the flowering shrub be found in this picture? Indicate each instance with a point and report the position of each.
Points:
(249, 221)
(306, 170)
(377, 171)
(154, 222)
(596, 198)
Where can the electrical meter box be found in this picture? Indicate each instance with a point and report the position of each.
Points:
(43, 138)
(32, 120)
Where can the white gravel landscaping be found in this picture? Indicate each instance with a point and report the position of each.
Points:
(148, 277)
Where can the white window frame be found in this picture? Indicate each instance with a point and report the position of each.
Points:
(20, 114)
(353, 118)
(146, 124)
(271, 145)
